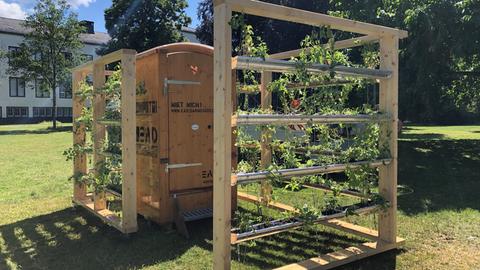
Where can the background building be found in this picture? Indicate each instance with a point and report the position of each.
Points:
(25, 102)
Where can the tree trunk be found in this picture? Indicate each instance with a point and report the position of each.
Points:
(54, 108)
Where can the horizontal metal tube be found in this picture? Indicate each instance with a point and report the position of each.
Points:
(274, 65)
(272, 229)
(246, 178)
(279, 119)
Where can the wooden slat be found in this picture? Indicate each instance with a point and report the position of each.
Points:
(79, 136)
(104, 60)
(282, 119)
(266, 189)
(337, 258)
(283, 66)
(222, 130)
(271, 204)
(129, 149)
(339, 45)
(98, 129)
(387, 224)
(283, 13)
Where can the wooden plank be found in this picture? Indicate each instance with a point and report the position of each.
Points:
(104, 60)
(283, 13)
(284, 66)
(339, 45)
(274, 205)
(105, 215)
(79, 136)
(129, 149)
(341, 257)
(98, 129)
(266, 189)
(389, 135)
(222, 147)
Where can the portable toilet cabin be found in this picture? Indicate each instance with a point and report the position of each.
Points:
(175, 133)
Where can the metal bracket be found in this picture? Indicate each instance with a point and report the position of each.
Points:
(181, 166)
(166, 82)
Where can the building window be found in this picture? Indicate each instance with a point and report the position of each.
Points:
(65, 91)
(41, 90)
(64, 112)
(13, 50)
(42, 111)
(17, 112)
(17, 87)
(87, 57)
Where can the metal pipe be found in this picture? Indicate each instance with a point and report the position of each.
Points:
(274, 65)
(278, 226)
(278, 119)
(246, 178)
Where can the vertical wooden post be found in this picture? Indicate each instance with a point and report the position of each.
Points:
(129, 145)
(222, 138)
(389, 135)
(265, 142)
(100, 202)
(79, 136)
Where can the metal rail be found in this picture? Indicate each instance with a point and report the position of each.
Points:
(282, 66)
(282, 225)
(279, 119)
(246, 178)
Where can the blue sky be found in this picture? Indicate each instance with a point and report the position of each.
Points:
(87, 10)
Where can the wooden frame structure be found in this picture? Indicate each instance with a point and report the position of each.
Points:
(388, 38)
(127, 223)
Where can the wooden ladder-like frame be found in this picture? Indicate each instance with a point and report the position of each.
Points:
(127, 223)
(388, 38)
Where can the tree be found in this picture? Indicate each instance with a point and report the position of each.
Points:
(144, 24)
(50, 49)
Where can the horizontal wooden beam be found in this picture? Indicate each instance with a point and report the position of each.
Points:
(339, 45)
(341, 257)
(283, 66)
(274, 205)
(104, 60)
(246, 178)
(263, 9)
(282, 119)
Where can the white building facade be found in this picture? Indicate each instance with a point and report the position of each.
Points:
(25, 102)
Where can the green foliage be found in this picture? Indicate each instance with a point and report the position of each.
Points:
(49, 49)
(144, 24)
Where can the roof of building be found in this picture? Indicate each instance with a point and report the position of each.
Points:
(15, 26)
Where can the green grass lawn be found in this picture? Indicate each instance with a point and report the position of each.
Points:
(40, 230)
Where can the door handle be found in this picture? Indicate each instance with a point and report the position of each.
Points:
(181, 166)
(166, 82)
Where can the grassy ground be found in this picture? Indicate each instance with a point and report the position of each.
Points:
(40, 230)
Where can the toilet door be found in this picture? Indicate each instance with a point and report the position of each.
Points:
(189, 87)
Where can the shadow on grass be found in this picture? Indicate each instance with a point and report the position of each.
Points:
(422, 137)
(74, 239)
(35, 131)
(442, 173)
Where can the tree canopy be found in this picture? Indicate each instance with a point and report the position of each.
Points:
(144, 24)
(49, 49)
(439, 61)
